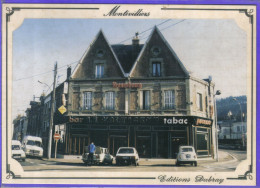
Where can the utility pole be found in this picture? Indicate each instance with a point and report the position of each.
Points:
(52, 111)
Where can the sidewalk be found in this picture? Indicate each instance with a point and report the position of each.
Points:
(223, 157)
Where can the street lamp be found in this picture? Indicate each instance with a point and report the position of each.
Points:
(243, 141)
(45, 84)
(218, 92)
(230, 123)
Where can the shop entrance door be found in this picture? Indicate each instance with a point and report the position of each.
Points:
(116, 142)
(162, 145)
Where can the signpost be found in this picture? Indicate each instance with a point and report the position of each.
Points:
(56, 137)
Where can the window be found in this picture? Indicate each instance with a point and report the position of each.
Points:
(146, 100)
(99, 71)
(169, 99)
(199, 101)
(238, 129)
(110, 100)
(156, 68)
(87, 101)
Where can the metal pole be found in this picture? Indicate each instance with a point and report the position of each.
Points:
(56, 148)
(52, 112)
(216, 127)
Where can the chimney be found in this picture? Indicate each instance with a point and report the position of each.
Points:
(68, 72)
(135, 40)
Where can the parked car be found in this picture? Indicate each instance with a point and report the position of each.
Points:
(186, 155)
(127, 155)
(32, 146)
(17, 152)
(101, 156)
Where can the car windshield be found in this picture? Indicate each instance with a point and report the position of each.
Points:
(186, 150)
(34, 143)
(126, 150)
(37, 143)
(15, 147)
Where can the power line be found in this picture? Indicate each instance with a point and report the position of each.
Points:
(164, 28)
(144, 31)
(44, 72)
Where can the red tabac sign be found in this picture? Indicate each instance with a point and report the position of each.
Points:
(127, 85)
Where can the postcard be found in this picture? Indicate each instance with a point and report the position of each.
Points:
(128, 94)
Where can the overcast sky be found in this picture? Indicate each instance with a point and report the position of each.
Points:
(206, 47)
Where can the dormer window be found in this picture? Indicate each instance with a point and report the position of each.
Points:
(99, 71)
(156, 68)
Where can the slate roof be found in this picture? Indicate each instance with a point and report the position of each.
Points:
(127, 54)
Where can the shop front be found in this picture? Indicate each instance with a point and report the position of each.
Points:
(152, 136)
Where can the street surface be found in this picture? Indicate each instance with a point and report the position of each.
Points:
(226, 163)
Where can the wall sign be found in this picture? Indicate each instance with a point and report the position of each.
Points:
(127, 85)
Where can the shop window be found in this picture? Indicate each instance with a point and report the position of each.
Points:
(169, 99)
(146, 100)
(156, 68)
(110, 100)
(99, 71)
(87, 101)
(199, 101)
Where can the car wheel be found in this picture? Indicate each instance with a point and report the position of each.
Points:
(195, 163)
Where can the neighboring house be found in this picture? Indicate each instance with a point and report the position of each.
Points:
(138, 95)
(59, 91)
(34, 115)
(232, 130)
(19, 127)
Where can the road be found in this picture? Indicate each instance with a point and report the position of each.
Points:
(146, 165)
(238, 154)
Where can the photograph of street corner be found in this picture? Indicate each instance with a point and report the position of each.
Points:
(132, 107)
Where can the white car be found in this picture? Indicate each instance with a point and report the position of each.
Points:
(32, 146)
(186, 155)
(17, 152)
(101, 156)
(127, 155)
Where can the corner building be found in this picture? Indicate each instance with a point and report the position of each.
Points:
(138, 95)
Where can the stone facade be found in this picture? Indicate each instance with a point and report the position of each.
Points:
(132, 84)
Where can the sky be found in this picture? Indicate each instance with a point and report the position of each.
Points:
(215, 47)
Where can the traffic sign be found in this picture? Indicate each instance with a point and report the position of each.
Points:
(62, 109)
(56, 136)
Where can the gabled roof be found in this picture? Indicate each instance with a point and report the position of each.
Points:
(155, 29)
(87, 51)
(127, 54)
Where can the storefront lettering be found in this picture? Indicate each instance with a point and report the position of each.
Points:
(127, 85)
(173, 121)
(75, 120)
(203, 121)
(140, 120)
